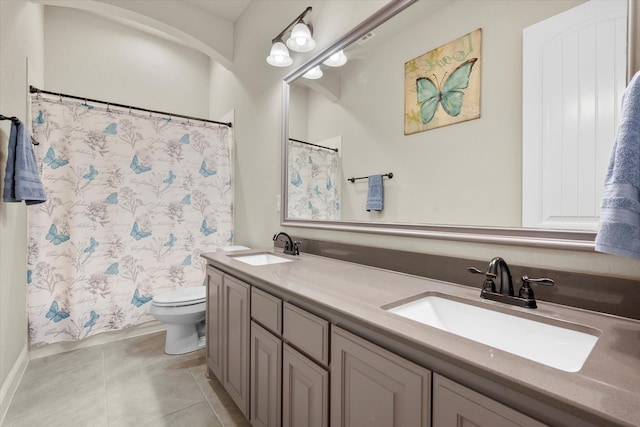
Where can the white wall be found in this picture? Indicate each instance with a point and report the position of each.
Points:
(87, 55)
(21, 37)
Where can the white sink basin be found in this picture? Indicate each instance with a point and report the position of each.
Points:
(261, 259)
(555, 346)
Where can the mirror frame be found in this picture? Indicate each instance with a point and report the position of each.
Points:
(555, 239)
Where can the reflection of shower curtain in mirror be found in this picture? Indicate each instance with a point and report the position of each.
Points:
(314, 183)
(132, 201)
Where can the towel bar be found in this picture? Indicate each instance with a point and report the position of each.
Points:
(353, 179)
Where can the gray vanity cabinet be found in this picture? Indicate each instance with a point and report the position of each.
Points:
(305, 378)
(455, 405)
(266, 359)
(228, 335)
(289, 355)
(371, 386)
(305, 387)
(214, 322)
(266, 377)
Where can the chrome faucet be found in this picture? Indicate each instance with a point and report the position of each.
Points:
(290, 247)
(498, 266)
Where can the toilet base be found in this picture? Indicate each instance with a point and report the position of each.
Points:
(183, 339)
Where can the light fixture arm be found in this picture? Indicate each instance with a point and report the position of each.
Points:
(294, 22)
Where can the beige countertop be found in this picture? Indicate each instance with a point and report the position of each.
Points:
(606, 391)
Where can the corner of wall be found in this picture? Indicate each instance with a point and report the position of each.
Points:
(10, 384)
(22, 47)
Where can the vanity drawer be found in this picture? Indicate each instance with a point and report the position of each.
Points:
(307, 332)
(266, 310)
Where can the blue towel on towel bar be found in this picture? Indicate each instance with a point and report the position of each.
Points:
(21, 179)
(620, 214)
(375, 196)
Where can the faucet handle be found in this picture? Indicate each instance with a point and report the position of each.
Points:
(542, 281)
(526, 291)
(489, 284)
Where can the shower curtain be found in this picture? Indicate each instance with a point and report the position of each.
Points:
(314, 182)
(132, 202)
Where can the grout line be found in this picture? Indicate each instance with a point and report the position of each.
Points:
(205, 394)
(104, 385)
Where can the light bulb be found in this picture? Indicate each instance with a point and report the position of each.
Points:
(314, 73)
(279, 56)
(338, 59)
(301, 40)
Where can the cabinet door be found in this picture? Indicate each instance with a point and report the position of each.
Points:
(455, 405)
(235, 351)
(266, 362)
(305, 391)
(214, 322)
(371, 386)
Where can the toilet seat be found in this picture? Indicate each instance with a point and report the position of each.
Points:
(181, 297)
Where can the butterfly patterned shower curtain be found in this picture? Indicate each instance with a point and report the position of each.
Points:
(132, 202)
(314, 182)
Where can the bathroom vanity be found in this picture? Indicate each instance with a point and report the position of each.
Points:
(308, 340)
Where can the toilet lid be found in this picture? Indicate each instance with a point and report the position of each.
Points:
(182, 296)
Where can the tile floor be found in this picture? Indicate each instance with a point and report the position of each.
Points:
(125, 383)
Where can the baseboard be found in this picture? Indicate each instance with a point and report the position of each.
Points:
(99, 339)
(11, 383)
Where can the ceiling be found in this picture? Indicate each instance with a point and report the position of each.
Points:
(226, 9)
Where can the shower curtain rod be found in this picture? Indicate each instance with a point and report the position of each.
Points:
(130, 107)
(315, 145)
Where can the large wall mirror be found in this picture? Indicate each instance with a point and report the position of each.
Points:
(462, 181)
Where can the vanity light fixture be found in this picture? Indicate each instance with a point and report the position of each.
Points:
(300, 40)
(279, 55)
(338, 59)
(314, 73)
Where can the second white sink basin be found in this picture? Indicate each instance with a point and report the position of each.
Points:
(555, 346)
(261, 259)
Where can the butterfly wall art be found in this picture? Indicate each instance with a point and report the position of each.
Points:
(442, 87)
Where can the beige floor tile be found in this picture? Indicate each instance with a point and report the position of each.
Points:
(136, 352)
(77, 396)
(227, 411)
(198, 415)
(137, 395)
(61, 363)
(125, 383)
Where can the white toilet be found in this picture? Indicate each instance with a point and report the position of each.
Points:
(183, 313)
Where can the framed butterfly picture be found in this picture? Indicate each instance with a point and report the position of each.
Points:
(442, 86)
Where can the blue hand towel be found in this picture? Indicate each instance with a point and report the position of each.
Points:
(21, 179)
(620, 214)
(375, 196)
